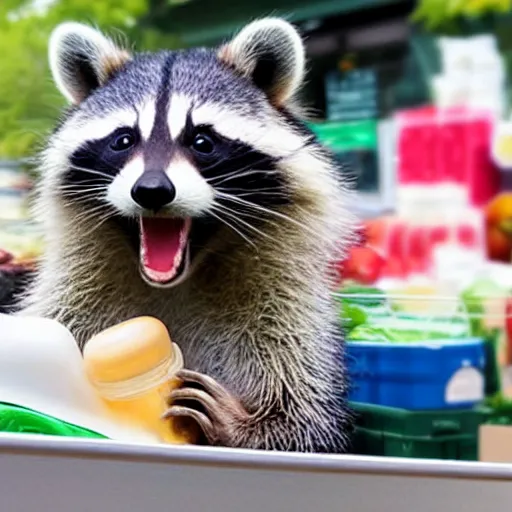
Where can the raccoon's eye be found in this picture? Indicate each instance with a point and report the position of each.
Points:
(203, 144)
(123, 141)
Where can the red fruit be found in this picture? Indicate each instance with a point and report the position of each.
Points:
(499, 209)
(397, 240)
(363, 265)
(418, 265)
(439, 235)
(394, 267)
(498, 217)
(5, 257)
(375, 231)
(417, 243)
(12, 268)
(499, 247)
(508, 328)
(467, 236)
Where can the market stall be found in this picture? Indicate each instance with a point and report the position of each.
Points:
(424, 299)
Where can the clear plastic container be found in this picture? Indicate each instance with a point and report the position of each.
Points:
(133, 366)
(424, 352)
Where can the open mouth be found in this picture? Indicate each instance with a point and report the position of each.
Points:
(164, 249)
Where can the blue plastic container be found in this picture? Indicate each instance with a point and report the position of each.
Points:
(418, 376)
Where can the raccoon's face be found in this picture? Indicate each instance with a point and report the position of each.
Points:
(173, 145)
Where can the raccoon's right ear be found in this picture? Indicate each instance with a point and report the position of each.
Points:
(82, 59)
(271, 53)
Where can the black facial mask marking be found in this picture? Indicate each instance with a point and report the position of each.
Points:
(248, 181)
(236, 169)
(95, 162)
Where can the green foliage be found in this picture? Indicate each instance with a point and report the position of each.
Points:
(29, 102)
(442, 14)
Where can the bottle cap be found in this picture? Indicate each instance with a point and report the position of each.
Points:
(135, 354)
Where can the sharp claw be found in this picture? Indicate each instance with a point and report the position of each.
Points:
(222, 412)
(215, 389)
(209, 403)
(201, 419)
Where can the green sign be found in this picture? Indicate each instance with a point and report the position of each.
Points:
(355, 148)
(348, 136)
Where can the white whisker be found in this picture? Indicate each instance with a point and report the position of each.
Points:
(242, 192)
(87, 215)
(75, 186)
(239, 173)
(233, 215)
(229, 225)
(232, 160)
(255, 217)
(85, 191)
(262, 209)
(102, 220)
(92, 171)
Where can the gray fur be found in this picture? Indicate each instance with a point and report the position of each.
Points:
(258, 318)
(217, 84)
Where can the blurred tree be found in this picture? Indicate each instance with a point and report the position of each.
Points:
(29, 102)
(448, 15)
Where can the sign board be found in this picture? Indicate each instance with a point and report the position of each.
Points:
(355, 146)
(351, 95)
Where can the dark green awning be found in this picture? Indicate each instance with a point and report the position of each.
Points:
(205, 22)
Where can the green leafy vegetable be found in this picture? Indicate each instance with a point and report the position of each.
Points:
(352, 316)
(399, 335)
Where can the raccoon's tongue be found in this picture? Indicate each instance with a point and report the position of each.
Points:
(162, 247)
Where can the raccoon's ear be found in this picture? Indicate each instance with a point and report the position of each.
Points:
(82, 59)
(271, 53)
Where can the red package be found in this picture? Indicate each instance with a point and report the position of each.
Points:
(439, 235)
(419, 249)
(452, 152)
(483, 177)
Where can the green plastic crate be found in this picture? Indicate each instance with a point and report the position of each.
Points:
(446, 434)
(368, 442)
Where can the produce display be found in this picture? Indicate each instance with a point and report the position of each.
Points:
(20, 238)
(418, 360)
(368, 314)
(498, 222)
(20, 246)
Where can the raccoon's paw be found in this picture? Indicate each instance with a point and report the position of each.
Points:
(219, 414)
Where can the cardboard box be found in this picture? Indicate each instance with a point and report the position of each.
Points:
(495, 443)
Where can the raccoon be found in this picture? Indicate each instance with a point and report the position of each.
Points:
(184, 185)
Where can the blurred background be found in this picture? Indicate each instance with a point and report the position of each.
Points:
(406, 92)
(414, 98)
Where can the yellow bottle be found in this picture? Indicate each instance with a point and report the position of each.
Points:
(133, 366)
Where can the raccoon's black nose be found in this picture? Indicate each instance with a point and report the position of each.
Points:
(153, 190)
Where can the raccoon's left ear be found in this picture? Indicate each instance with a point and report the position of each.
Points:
(271, 53)
(82, 59)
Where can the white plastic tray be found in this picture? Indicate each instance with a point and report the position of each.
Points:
(63, 475)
